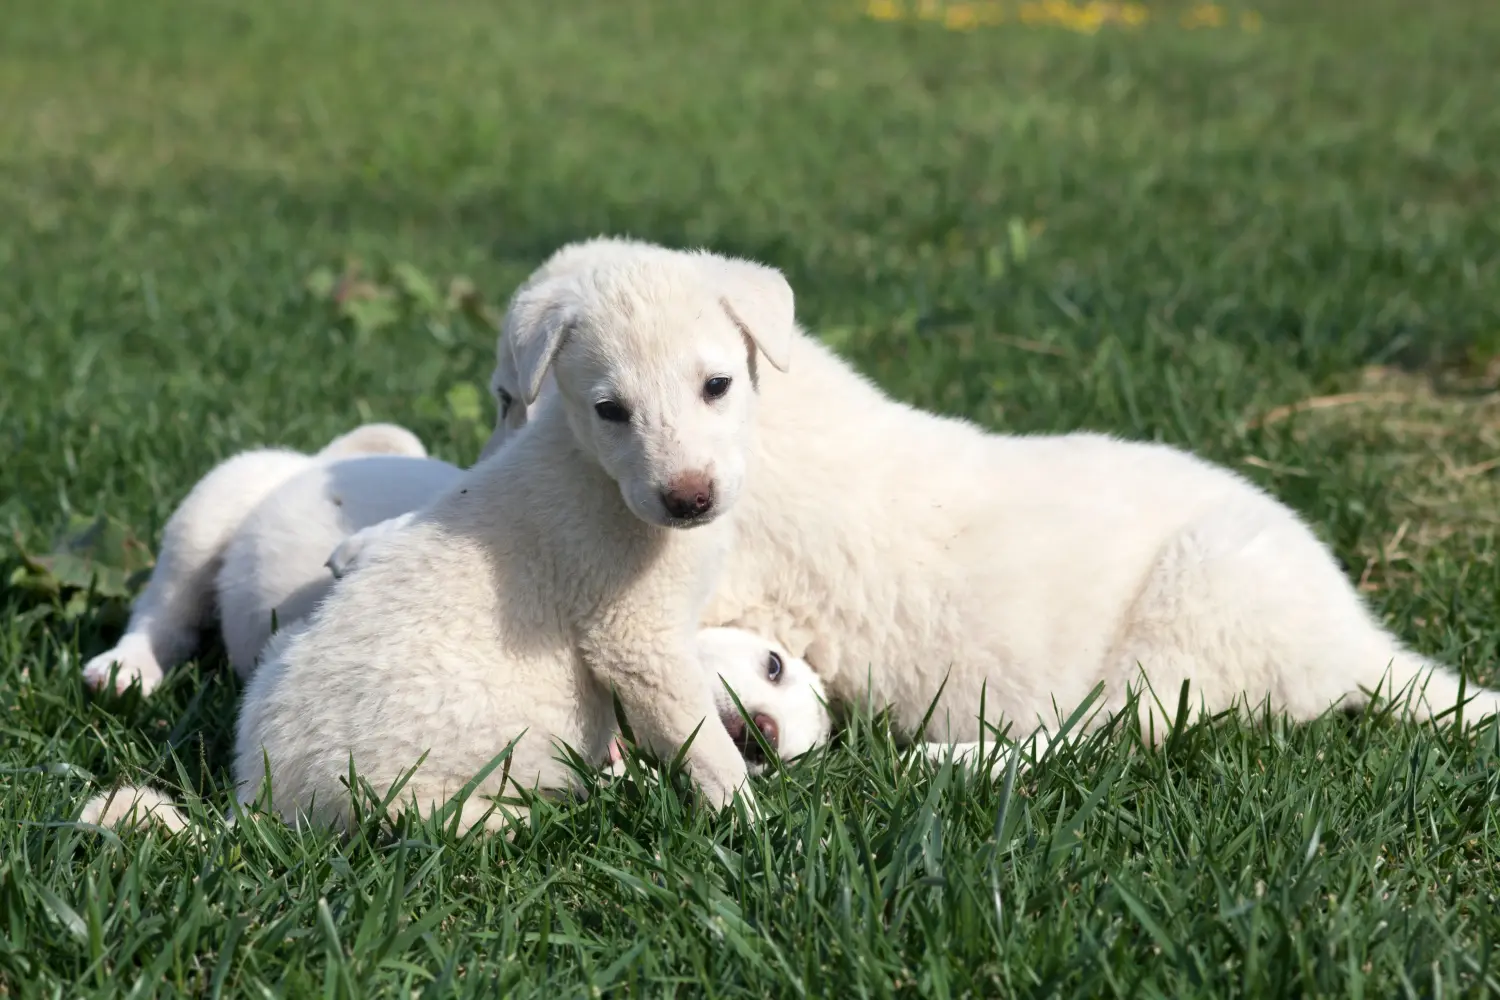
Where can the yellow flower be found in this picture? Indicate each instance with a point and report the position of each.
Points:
(1134, 14)
(961, 17)
(1204, 15)
(883, 10)
(929, 10)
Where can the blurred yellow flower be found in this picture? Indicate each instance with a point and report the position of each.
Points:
(1204, 15)
(1072, 15)
(961, 17)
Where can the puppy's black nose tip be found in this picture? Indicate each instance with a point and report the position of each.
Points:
(689, 497)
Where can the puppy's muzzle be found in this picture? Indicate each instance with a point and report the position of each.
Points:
(689, 497)
(744, 736)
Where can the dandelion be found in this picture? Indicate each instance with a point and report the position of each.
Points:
(883, 10)
(1204, 15)
(961, 17)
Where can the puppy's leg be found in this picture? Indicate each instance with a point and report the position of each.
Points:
(133, 807)
(666, 696)
(179, 598)
(1245, 604)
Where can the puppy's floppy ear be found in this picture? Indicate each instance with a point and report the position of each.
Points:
(759, 301)
(536, 324)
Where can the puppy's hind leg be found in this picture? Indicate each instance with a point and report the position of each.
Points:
(179, 598)
(1247, 605)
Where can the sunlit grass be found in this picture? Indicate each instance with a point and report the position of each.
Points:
(1276, 247)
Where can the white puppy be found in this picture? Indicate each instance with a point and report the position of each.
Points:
(512, 405)
(225, 548)
(779, 693)
(573, 561)
(903, 552)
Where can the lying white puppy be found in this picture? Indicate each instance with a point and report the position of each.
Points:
(226, 548)
(558, 568)
(903, 552)
(779, 693)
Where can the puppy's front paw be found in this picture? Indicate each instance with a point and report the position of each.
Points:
(719, 785)
(135, 666)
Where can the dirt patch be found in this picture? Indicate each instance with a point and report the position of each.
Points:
(1434, 441)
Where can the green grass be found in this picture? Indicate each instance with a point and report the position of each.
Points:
(1160, 232)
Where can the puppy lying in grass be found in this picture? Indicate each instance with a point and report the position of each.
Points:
(939, 570)
(251, 541)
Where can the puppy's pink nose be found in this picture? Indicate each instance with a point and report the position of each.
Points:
(768, 729)
(689, 496)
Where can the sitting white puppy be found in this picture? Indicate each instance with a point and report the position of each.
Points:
(573, 561)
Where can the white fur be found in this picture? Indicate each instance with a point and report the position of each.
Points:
(552, 572)
(732, 660)
(130, 806)
(512, 402)
(898, 550)
(209, 561)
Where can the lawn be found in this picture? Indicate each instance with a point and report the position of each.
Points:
(1271, 235)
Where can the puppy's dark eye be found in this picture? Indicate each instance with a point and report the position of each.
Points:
(773, 667)
(716, 387)
(609, 410)
(505, 401)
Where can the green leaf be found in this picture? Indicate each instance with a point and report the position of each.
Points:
(99, 552)
(418, 288)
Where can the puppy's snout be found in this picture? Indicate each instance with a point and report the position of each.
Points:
(689, 496)
(768, 729)
(749, 747)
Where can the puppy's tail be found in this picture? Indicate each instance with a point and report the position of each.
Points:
(129, 806)
(1425, 690)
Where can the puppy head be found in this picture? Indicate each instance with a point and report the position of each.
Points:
(512, 406)
(782, 696)
(654, 353)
